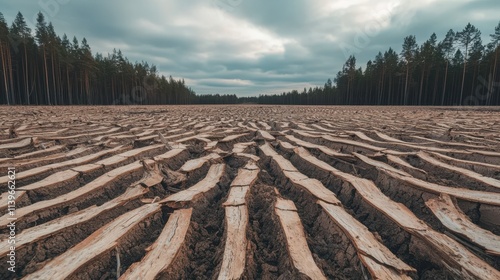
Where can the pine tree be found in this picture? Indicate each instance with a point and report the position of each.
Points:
(467, 37)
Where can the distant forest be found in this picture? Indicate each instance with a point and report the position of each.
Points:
(46, 69)
(41, 68)
(459, 70)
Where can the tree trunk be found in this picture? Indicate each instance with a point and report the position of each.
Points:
(421, 86)
(406, 85)
(492, 82)
(463, 77)
(69, 86)
(444, 84)
(26, 83)
(56, 101)
(46, 76)
(3, 55)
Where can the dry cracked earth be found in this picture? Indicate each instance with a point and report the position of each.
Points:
(251, 192)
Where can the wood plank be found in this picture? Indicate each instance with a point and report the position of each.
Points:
(54, 179)
(69, 198)
(49, 159)
(39, 153)
(164, 250)
(466, 162)
(196, 163)
(296, 239)
(485, 153)
(53, 227)
(312, 186)
(322, 148)
(190, 195)
(101, 241)
(246, 175)
(456, 221)
(405, 164)
(265, 125)
(389, 138)
(379, 260)
(234, 258)
(353, 143)
(233, 137)
(88, 135)
(454, 256)
(65, 164)
(240, 147)
(450, 143)
(466, 172)
(170, 154)
(490, 198)
(418, 146)
(237, 196)
(18, 145)
(266, 135)
(380, 165)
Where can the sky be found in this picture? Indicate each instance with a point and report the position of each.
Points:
(252, 47)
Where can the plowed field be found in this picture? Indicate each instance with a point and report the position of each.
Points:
(250, 192)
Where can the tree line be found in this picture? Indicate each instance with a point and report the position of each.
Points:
(42, 68)
(45, 69)
(459, 70)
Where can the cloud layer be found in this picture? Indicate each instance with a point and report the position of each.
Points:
(252, 47)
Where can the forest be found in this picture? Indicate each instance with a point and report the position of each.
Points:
(459, 70)
(42, 68)
(46, 69)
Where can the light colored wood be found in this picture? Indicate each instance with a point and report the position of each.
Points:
(240, 147)
(170, 154)
(322, 148)
(234, 258)
(485, 153)
(313, 186)
(268, 150)
(237, 196)
(453, 219)
(54, 179)
(17, 145)
(389, 138)
(296, 239)
(380, 165)
(196, 163)
(233, 137)
(101, 241)
(285, 145)
(353, 143)
(164, 250)
(246, 176)
(65, 164)
(190, 195)
(455, 257)
(466, 172)
(34, 154)
(400, 161)
(265, 125)
(88, 135)
(36, 233)
(266, 135)
(466, 162)
(450, 143)
(67, 199)
(49, 159)
(379, 260)
(490, 198)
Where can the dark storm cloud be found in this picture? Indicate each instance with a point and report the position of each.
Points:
(252, 47)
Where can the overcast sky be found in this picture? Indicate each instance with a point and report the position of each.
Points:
(252, 47)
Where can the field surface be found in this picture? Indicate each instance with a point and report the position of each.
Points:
(250, 192)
